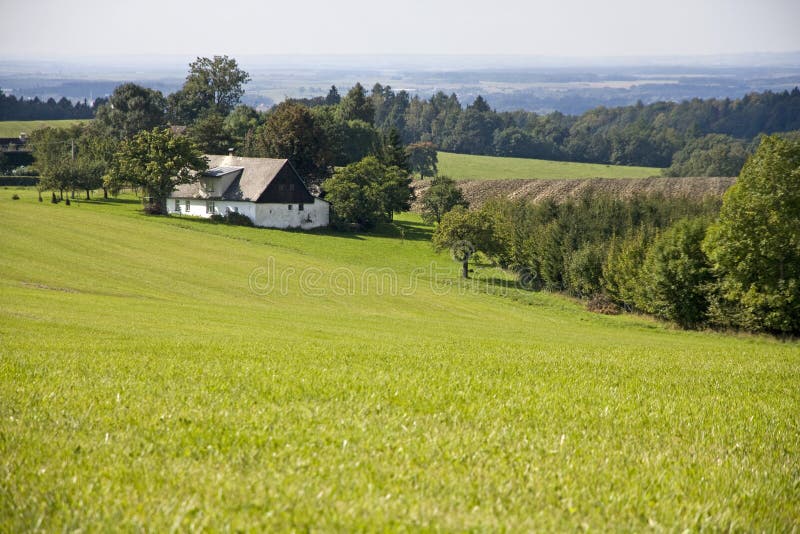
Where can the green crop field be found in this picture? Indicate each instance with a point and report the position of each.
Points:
(14, 128)
(467, 167)
(170, 373)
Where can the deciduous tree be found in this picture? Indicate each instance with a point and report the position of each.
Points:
(213, 84)
(367, 192)
(442, 196)
(423, 159)
(157, 161)
(465, 232)
(291, 132)
(131, 109)
(755, 245)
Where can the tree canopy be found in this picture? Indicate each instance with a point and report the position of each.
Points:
(367, 192)
(442, 196)
(213, 84)
(423, 158)
(465, 232)
(291, 132)
(755, 245)
(156, 161)
(131, 109)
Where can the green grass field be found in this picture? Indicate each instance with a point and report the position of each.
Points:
(467, 167)
(169, 373)
(14, 128)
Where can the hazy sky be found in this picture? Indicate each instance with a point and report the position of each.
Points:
(572, 28)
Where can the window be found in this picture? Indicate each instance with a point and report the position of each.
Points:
(291, 187)
(188, 206)
(177, 205)
(300, 207)
(209, 206)
(281, 187)
(290, 207)
(210, 186)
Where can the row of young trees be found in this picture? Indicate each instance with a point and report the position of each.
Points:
(693, 261)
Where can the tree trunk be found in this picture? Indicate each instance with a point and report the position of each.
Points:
(105, 192)
(156, 205)
(73, 193)
(87, 195)
(465, 268)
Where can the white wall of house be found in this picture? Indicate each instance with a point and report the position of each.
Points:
(291, 216)
(267, 215)
(199, 207)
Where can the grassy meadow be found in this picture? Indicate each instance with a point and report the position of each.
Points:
(169, 373)
(468, 167)
(14, 128)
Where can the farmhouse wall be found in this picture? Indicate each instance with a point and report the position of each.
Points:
(266, 215)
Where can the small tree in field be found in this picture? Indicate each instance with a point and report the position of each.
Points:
(442, 196)
(422, 159)
(464, 233)
(156, 161)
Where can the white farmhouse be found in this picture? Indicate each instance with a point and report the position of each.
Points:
(268, 191)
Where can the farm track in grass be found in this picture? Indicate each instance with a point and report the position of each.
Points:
(161, 373)
(469, 167)
(14, 128)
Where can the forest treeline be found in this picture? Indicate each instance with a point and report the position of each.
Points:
(698, 137)
(34, 109)
(722, 132)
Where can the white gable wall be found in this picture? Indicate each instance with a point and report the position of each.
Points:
(280, 216)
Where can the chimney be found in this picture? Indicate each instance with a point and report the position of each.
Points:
(230, 152)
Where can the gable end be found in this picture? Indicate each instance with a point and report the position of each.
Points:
(286, 188)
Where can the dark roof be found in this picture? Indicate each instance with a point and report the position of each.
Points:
(258, 180)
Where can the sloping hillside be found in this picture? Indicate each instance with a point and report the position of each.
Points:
(168, 373)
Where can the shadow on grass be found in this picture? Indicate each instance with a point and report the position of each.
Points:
(110, 200)
(507, 284)
(407, 230)
(329, 231)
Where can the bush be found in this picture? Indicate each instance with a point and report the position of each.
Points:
(601, 303)
(217, 218)
(584, 270)
(15, 197)
(677, 275)
(621, 270)
(237, 219)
